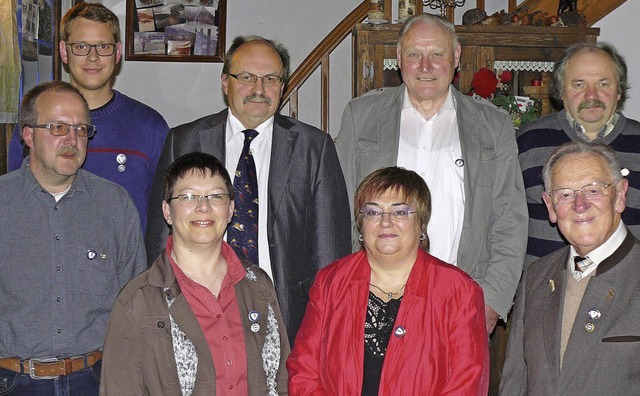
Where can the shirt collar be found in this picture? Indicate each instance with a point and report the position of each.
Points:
(265, 130)
(449, 103)
(598, 254)
(31, 184)
(604, 131)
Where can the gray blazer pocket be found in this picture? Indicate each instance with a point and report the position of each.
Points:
(627, 338)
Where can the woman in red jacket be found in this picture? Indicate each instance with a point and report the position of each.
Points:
(391, 319)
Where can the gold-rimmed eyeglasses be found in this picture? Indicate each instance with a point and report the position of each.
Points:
(591, 191)
(246, 78)
(62, 129)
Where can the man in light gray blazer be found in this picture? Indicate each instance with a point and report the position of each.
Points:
(575, 328)
(464, 148)
(303, 221)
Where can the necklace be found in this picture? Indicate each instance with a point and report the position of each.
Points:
(389, 294)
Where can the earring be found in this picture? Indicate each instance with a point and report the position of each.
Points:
(360, 238)
(423, 236)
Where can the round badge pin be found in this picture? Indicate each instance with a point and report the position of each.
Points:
(91, 254)
(459, 162)
(122, 168)
(255, 327)
(589, 327)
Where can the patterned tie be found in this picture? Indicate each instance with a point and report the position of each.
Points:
(242, 232)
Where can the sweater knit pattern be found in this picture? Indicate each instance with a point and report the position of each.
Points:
(536, 142)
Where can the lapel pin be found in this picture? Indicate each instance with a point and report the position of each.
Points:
(459, 162)
(254, 316)
(91, 254)
(594, 314)
(589, 327)
(611, 294)
(255, 327)
(400, 332)
(552, 285)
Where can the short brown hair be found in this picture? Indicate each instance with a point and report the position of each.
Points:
(29, 110)
(406, 182)
(92, 11)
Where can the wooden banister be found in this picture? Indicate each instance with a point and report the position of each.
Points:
(320, 56)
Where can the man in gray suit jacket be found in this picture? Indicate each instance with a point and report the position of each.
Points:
(303, 216)
(464, 148)
(575, 325)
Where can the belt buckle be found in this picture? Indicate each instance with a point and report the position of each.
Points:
(32, 368)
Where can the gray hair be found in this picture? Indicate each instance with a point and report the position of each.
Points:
(559, 69)
(579, 147)
(279, 48)
(428, 19)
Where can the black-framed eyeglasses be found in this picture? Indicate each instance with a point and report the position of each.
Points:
(591, 191)
(246, 78)
(375, 214)
(62, 129)
(190, 199)
(83, 49)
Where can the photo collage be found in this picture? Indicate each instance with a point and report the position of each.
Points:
(176, 27)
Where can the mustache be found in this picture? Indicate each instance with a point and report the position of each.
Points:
(69, 150)
(257, 98)
(591, 103)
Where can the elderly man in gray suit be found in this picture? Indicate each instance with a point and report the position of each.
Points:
(302, 222)
(576, 324)
(465, 150)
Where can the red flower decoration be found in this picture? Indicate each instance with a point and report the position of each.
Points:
(484, 82)
(506, 76)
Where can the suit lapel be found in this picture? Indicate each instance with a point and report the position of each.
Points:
(551, 302)
(284, 141)
(212, 140)
(470, 146)
(389, 126)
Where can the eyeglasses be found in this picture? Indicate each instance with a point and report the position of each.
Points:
(595, 190)
(189, 199)
(83, 49)
(62, 129)
(245, 78)
(371, 214)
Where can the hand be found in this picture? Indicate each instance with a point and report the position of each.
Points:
(492, 318)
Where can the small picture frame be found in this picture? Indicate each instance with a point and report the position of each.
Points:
(175, 30)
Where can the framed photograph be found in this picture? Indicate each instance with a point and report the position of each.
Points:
(175, 30)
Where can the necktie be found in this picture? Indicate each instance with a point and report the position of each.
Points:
(576, 263)
(242, 232)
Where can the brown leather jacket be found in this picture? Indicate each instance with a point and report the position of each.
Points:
(138, 350)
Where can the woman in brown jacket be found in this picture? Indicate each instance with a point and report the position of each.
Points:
(200, 321)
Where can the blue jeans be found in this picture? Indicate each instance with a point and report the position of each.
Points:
(81, 383)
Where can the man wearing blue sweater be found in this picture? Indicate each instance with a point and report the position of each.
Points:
(591, 81)
(130, 134)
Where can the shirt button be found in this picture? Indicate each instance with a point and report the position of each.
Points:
(230, 386)
(59, 331)
(57, 237)
(229, 362)
(58, 299)
(218, 316)
(58, 268)
(224, 338)
(55, 207)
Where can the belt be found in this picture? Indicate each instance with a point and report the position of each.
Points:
(51, 368)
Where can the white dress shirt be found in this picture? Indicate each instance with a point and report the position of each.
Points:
(597, 255)
(432, 149)
(261, 150)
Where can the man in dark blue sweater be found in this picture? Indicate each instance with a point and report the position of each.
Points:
(591, 81)
(130, 134)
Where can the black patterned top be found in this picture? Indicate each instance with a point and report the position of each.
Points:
(378, 327)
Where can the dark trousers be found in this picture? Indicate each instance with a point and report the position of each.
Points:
(81, 383)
